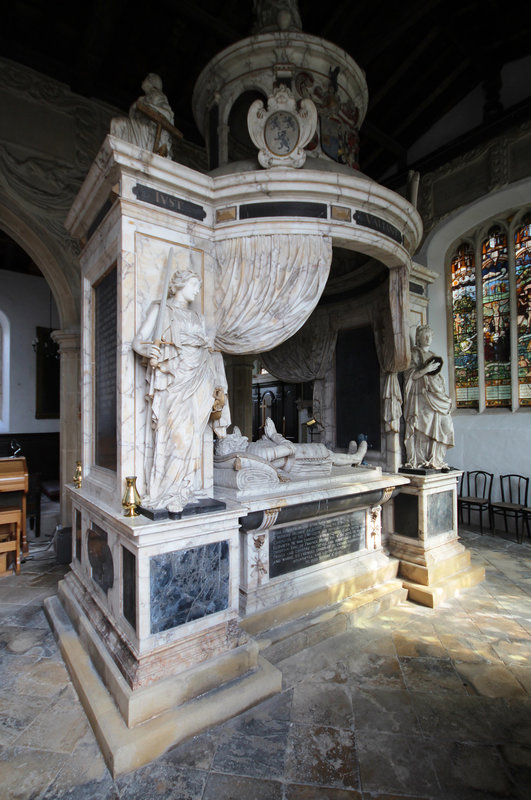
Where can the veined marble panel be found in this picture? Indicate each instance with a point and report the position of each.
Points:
(188, 584)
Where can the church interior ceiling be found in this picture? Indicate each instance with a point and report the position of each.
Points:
(420, 58)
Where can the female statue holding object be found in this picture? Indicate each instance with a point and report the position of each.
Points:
(429, 427)
(186, 391)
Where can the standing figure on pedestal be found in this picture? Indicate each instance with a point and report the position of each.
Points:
(186, 391)
(429, 427)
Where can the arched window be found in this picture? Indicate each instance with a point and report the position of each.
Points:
(490, 275)
(465, 327)
(496, 318)
(4, 372)
(522, 260)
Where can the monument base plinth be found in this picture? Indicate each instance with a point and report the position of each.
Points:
(434, 566)
(133, 727)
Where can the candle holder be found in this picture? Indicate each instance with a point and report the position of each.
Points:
(131, 498)
(78, 475)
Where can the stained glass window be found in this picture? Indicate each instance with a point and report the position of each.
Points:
(496, 318)
(465, 327)
(522, 247)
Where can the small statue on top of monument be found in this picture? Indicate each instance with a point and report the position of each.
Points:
(429, 427)
(150, 121)
(275, 15)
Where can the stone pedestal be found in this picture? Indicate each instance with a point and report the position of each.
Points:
(147, 622)
(433, 564)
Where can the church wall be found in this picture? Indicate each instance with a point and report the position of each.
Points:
(25, 300)
(493, 179)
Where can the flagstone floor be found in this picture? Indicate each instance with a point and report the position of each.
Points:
(416, 703)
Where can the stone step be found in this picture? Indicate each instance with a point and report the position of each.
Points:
(293, 636)
(125, 748)
(324, 597)
(434, 573)
(432, 596)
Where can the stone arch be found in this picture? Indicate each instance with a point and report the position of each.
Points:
(55, 266)
(33, 242)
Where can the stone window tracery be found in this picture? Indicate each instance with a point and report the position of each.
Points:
(490, 287)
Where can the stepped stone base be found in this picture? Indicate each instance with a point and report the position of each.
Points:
(292, 626)
(432, 584)
(294, 636)
(127, 748)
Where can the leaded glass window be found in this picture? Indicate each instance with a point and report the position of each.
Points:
(496, 318)
(465, 327)
(490, 275)
(522, 259)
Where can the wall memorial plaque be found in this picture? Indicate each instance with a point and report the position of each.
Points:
(105, 345)
(298, 546)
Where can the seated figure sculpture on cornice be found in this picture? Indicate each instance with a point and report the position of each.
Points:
(150, 121)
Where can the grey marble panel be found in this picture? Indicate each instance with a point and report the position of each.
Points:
(78, 533)
(188, 585)
(440, 512)
(129, 586)
(100, 558)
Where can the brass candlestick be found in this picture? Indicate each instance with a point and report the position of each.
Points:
(78, 475)
(131, 498)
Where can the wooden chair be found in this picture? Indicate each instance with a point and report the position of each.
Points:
(478, 488)
(514, 489)
(10, 543)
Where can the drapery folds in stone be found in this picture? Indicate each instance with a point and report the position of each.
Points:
(266, 288)
(391, 336)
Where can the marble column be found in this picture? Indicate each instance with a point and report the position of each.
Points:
(70, 422)
(239, 371)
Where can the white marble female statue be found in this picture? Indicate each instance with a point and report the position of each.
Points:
(140, 127)
(429, 427)
(187, 389)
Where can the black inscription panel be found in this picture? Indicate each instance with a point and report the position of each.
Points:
(148, 195)
(300, 546)
(290, 208)
(105, 345)
(378, 224)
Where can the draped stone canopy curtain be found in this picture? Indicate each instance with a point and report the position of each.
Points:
(304, 357)
(266, 288)
(391, 336)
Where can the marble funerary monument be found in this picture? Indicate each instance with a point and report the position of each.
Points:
(171, 621)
